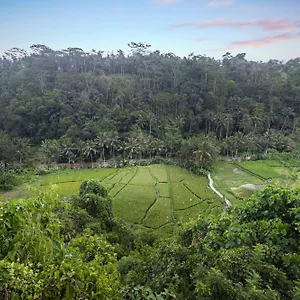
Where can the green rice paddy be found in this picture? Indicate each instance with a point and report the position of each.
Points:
(159, 196)
(238, 180)
(153, 196)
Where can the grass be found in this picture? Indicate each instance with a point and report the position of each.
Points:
(238, 180)
(163, 190)
(116, 188)
(199, 187)
(159, 172)
(132, 203)
(229, 179)
(143, 177)
(260, 168)
(147, 196)
(202, 209)
(63, 189)
(117, 176)
(76, 175)
(159, 214)
(182, 197)
(179, 174)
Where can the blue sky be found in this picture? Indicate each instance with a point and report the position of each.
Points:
(265, 30)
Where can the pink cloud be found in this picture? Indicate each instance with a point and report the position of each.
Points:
(264, 41)
(268, 40)
(266, 25)
(220, 2)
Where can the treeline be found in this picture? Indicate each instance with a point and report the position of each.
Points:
(75, 249)
(48, 95)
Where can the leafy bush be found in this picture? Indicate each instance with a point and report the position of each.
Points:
(36, 262)
(93, 197)
(7, 181)
(251, 253)
(92, 187)
(42, 170)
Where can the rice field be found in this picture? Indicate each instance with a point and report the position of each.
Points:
(238, 180)
(153, 196)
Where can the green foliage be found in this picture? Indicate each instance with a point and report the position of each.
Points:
(140, 195)
(7, 181)
(36, 262)
(93, 198)
(81, 107)
(251, 253)
(259, 168)
(92, 187)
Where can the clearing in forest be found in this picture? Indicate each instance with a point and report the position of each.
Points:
(238, 180)
(154, 196)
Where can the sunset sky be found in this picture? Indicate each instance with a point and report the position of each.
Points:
(265, 30)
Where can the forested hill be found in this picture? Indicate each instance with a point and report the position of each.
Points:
(46, 94)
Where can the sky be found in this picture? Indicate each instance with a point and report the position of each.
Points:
(264, 30)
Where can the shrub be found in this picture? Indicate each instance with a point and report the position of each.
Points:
(92, 187)
(7, 181)
(93, 197)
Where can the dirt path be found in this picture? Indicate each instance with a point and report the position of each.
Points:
(211, 185)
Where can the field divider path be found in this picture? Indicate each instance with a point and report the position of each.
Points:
(155, 200)
(170, 193)
(76, 179)
(114, 175)
(160, 226)
(182, 209)
(126, 184)
(250, 172)
(189, 189)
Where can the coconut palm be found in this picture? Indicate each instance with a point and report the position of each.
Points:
(113, 142)
(66, 149)
(90, 150)
(50, 149)
(206, 153)
(132, 147)
(102, 143)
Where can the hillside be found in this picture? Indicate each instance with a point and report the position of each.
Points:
(73, 96)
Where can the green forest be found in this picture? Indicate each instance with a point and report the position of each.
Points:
(138, 174)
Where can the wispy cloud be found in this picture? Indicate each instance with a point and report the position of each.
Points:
(164, 1)
(266, 25)
(268, 40)
(220, 2)
(264, 41)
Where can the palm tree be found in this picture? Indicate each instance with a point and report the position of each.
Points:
(113, 142)
(90, 150)
(132, 146)
(206, 153)
(50, 148)
(80, 145)
(23, 148)
(101, 142)
(66, 149)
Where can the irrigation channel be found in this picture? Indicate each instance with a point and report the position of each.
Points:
(211, 185)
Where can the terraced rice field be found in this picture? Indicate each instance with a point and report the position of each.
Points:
(155, 196)
(239, 180)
